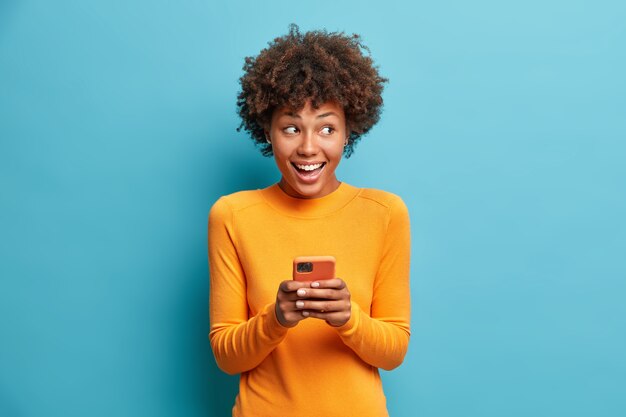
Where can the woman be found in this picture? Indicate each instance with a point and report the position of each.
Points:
(309, 348)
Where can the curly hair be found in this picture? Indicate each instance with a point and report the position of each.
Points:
(317, 66)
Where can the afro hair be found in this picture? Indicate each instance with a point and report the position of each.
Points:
(317, 66)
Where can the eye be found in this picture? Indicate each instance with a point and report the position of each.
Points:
(328, 130)
(290, 129)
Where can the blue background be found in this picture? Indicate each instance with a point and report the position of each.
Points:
(504, 131)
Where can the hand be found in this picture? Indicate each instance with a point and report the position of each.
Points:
(287, 313)
(325, 299)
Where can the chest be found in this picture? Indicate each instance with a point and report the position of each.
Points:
(267, 254)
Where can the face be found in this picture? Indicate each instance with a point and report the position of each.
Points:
(307, 147)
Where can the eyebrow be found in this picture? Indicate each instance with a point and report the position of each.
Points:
(294, 115)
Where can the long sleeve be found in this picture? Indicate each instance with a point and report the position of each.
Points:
(239, 343)
(381, 338)
(254, 236)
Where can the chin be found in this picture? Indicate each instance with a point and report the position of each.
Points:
(308, 190)
(305, 190)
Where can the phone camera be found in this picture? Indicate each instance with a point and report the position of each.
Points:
(304, 266)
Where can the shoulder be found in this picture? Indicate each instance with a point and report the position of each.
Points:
(228, 204)
(396, 211)
(393, 202)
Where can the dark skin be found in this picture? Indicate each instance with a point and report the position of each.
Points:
(327, 300)
(310, 135)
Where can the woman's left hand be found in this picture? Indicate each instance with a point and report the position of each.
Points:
(327, 299)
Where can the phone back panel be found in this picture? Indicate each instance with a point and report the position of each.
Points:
(313, 268)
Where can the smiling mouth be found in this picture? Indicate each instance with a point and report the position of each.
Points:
(308, 168)
(308, 171)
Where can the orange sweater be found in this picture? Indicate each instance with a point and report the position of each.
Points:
(312, 369)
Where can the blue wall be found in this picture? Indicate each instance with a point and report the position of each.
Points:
(504, 130)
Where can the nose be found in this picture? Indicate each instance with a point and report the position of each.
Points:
(308, 145)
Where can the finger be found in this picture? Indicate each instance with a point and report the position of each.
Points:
(293, 295)
(325, 293)
(288, 318)
(336, 283)
(311, 293)
(291, 285)
(289, 296)
(316, 293)
(322, 306)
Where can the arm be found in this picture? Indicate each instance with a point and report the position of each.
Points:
(382, 339)
(239, 343)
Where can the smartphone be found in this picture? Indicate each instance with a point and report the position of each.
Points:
(313, 268)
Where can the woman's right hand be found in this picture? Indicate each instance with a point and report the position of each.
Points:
(287, 313)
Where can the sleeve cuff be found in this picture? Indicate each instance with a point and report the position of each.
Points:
(272, 326)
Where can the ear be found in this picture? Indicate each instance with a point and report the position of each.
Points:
(266, 131)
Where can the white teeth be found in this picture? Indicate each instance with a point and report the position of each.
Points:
(309, 167)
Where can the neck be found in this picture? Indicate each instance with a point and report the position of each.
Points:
(326, 189)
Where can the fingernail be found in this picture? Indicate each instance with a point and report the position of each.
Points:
(315, 284)
(299, 304)
(305, 313)
(301, 292)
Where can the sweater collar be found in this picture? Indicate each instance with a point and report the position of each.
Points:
(309, 207)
